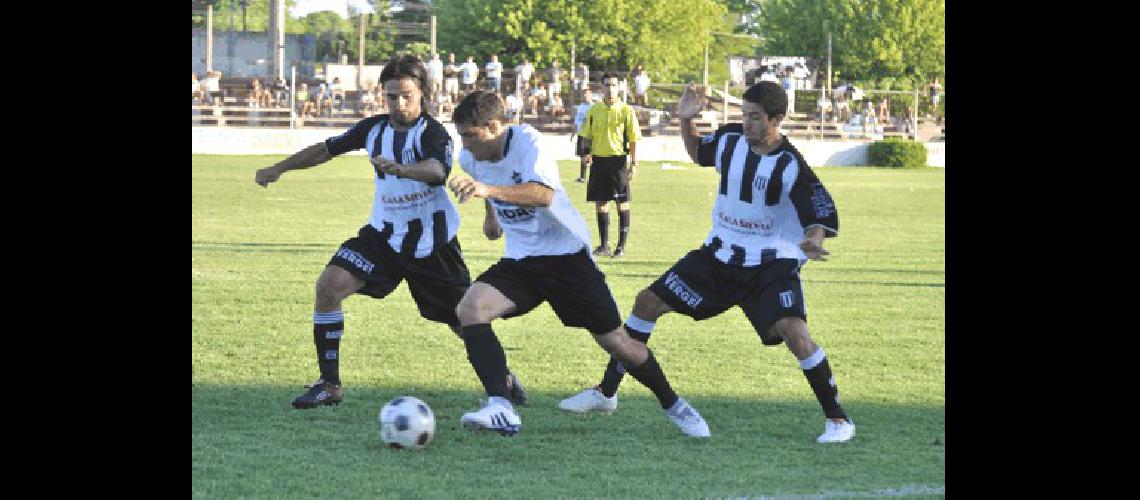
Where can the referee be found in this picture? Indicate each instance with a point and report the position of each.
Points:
(609, 133)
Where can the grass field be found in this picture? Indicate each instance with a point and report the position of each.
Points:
(876, 307)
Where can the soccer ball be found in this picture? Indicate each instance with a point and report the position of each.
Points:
(407, 422)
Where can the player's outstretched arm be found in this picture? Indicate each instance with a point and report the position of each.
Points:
(429, 170)
(690, 105)
(309, 157)
(527, 194)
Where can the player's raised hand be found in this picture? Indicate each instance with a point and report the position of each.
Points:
(692, 101)
(267, 175)
(813, 249)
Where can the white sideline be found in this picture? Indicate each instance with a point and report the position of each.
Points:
(908, 490)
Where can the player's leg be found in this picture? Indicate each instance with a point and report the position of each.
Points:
(623, 225)
(778, 313)
(576, 289)
(498, 292)
(647, 307)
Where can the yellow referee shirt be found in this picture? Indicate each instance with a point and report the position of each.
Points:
(606, 127)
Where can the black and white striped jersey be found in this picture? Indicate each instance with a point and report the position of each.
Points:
(764, 202)
(414, 216)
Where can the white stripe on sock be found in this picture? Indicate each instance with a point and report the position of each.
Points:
(812, 360)
(639, 324)
(328, 318)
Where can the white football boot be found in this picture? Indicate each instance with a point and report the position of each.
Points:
(837, 432)
(498, 415)
(589, 400)
(687, 418)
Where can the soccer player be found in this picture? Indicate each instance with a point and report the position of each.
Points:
(546, 259)
(609, 133)
(771, 215)
(411, 233)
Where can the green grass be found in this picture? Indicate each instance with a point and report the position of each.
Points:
(876, 307)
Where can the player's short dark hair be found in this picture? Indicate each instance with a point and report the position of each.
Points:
(769, 96)
(478, 109)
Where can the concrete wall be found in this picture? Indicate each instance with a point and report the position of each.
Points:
(251, 52)
(226, 140)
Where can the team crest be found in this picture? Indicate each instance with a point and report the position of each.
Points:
(761, 183)
(787, 298)
(517, 177)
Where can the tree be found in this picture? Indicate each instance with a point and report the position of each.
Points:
(665, 36)
(900, 42)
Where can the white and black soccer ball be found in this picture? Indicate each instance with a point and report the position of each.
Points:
(407, 422)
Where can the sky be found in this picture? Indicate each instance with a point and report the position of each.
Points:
(304, 7)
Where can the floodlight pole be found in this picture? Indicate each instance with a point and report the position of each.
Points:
(360, 59)
(209, 38)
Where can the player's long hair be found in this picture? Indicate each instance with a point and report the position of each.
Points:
(408, 66)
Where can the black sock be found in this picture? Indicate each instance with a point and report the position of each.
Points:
(328, 327)
(823, 384)
(604, 228)
(611, 379)
(623, 227)
(651, 376)
(487, 358)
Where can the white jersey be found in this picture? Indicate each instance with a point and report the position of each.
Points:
(765, 202)
(530, 231)
(413, 216)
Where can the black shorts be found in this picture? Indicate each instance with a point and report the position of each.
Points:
(437, 282)
(608, 180)
(573, 284)
(700, 286)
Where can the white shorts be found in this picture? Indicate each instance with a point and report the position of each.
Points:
(451, 85)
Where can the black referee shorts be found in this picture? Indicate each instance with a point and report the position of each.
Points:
(573, 284)
(437, 282)
(608, 180)
(700, 286)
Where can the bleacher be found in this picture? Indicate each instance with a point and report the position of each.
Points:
(235, 111)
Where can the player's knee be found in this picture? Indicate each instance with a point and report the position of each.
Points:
(333, 287)
(648, 306)
(473, 311)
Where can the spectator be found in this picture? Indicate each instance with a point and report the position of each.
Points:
(823, 107)
(213, 88)
(641, 86)
(257, 96)
(555, 73)
(523, 73)
(579, 118)
(469, 73)
(556, 106)
(435, 77)
(537, 97)
(196, 96)
(801, 75)
(451, 78)
(623, 90)
(336, 91)
(885, 110)
(323, 99)
(368, 102)
(935, 97)
(869, 119)
(494, 74)
(789, 84)
(281, 92)
(305, 101)
(514, 108)
(843, 102)
(769, 75)
(581, 77)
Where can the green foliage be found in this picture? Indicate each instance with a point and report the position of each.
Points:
(665, 36)
(422, 49)
(871, 39)
(897, 153)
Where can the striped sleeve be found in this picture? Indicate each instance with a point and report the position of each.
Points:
(436, 143)
(813, 203)
(353, 138)
(706, 150)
